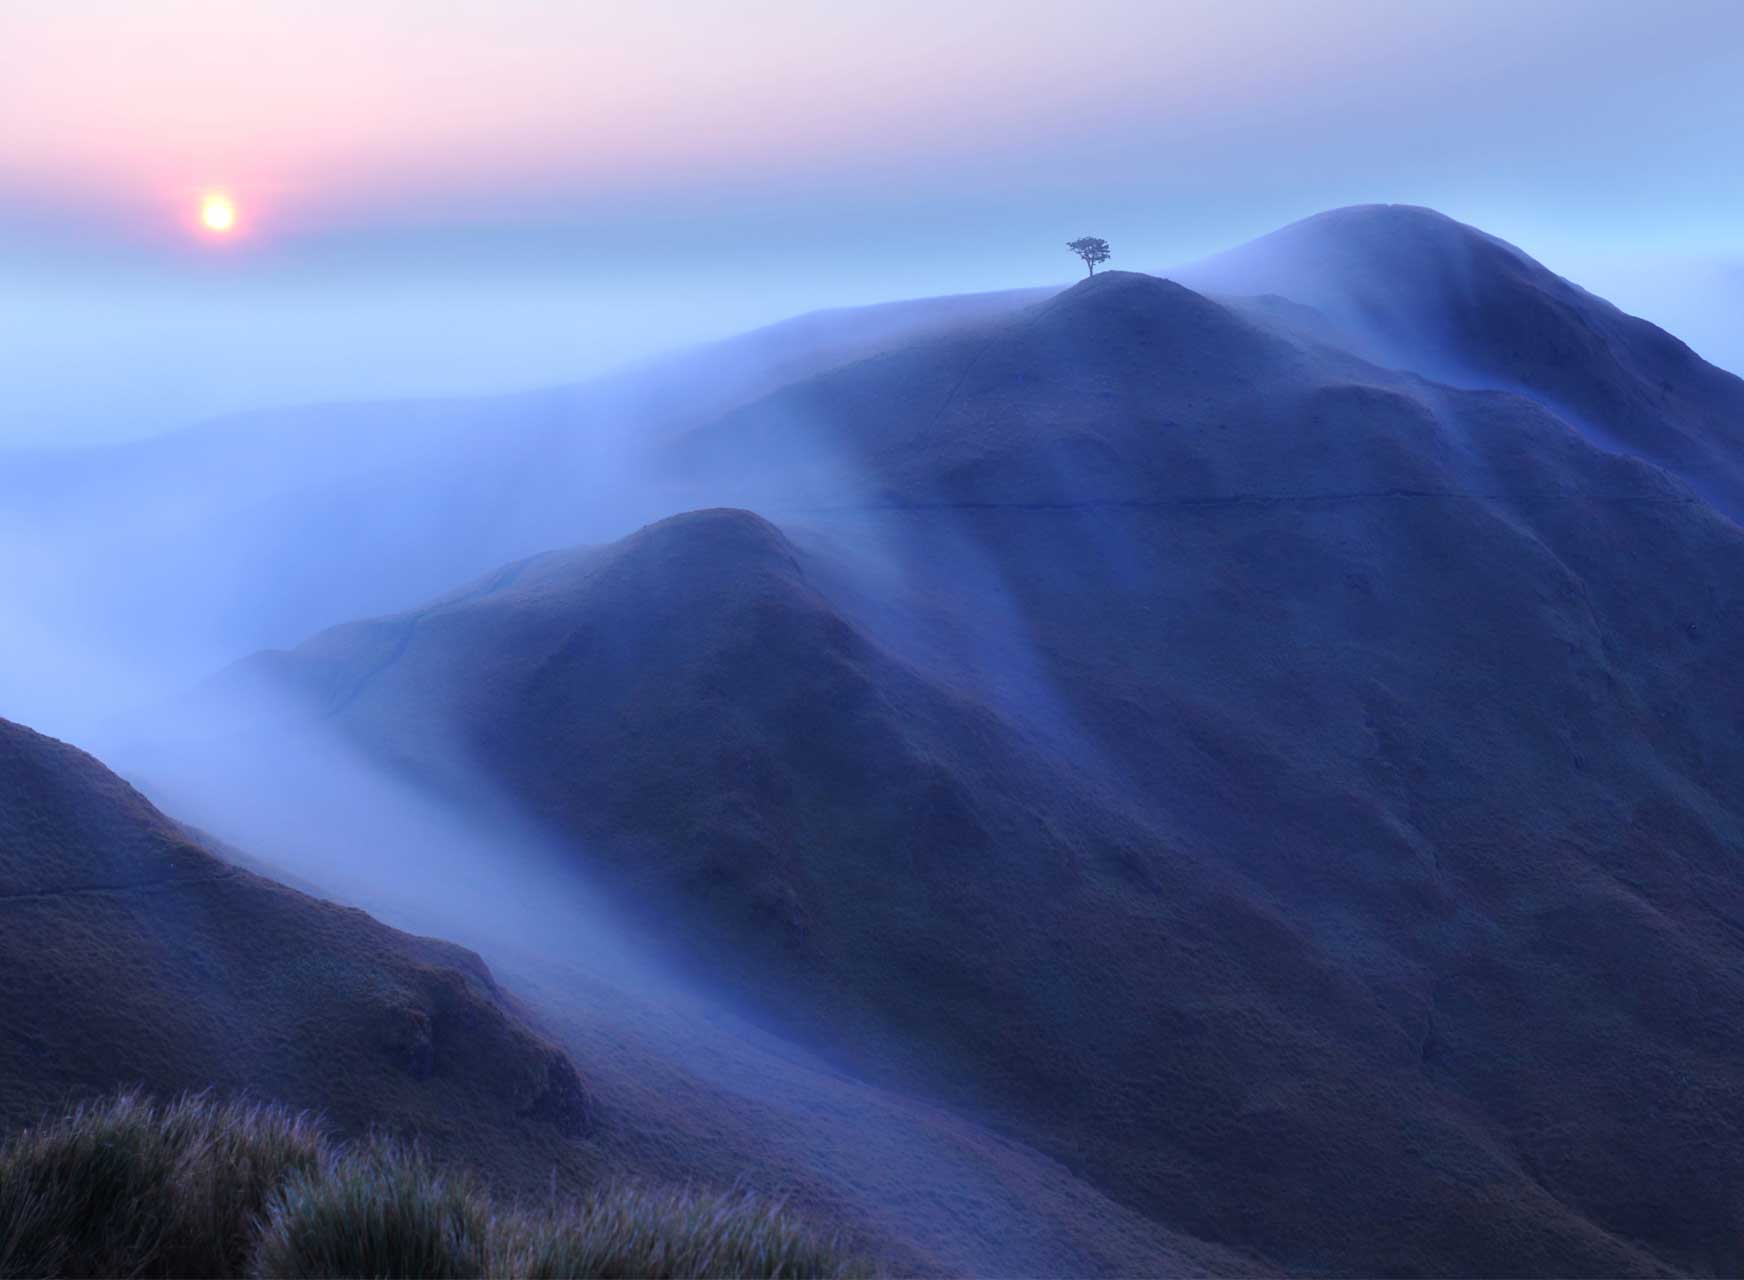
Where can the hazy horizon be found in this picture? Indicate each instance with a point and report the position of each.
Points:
(462, 210)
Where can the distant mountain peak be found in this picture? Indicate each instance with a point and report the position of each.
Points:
(1384, 212)
(1412, 289)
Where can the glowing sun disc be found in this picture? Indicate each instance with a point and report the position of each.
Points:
(218, 214)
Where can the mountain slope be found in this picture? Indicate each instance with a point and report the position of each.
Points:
(135, 956)
(1246, 820)
(1417, 290)
(1300, 797)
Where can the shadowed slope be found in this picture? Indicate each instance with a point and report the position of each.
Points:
(1254, 934)
(133, 956)
(1036, 409)
(662, 688)
(166, 967)
(1417, 290)
(1302, 798)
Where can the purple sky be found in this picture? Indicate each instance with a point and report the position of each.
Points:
(438, 195)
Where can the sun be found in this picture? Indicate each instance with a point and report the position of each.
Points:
(217, 213)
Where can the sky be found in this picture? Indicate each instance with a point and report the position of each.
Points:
(445, 195)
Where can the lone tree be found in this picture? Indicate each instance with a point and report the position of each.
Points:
(1091, 249)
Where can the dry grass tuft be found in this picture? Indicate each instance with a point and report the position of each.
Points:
(623, 1233)
(200, 1188)
(126, 1188)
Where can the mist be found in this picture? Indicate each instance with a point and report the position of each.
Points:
(1010, 759)
(133, 346)
(206, 608)
(487, 225)
(698, 1080)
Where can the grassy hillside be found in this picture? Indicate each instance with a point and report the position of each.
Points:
(136, 957)
(129, 975)
(1271, 785)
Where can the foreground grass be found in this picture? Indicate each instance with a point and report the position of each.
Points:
(198, 1188)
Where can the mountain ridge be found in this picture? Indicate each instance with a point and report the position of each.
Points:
(1222, 761)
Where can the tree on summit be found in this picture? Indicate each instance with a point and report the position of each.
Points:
(1091, 249)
